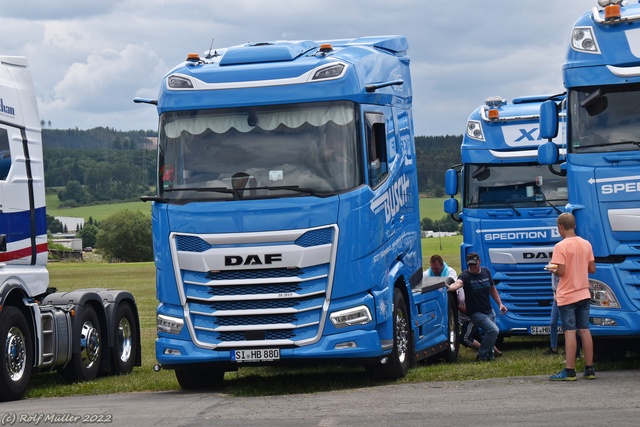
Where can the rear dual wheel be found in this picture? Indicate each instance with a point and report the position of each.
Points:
(84, 364)
(126, 343)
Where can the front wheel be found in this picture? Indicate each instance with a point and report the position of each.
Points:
(16, 355)
(453, 330)
(204, 378)
(399, 361)
(84, 365)
(125, 347)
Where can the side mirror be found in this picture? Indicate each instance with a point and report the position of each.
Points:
(548, 153)
(548, 120)
(451, 206)
(451, 182)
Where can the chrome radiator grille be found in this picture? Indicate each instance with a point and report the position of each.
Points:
(271, 291)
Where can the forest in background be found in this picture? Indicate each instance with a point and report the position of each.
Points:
(104, 165)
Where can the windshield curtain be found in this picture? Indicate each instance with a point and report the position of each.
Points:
(507, 186)
(259, 152)
(605, 119)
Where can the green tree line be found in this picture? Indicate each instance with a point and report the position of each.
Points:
(110, 166)
(435, 155)
(103, 165)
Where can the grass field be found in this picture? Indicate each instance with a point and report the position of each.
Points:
(429, 207)
(523, 356)
(97, 212)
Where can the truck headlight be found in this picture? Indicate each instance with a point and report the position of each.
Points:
(352, 316)
(582, 39)
(602, 295)
(170, 325)
(474, 130)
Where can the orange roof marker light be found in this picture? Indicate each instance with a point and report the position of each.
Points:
(611, 9)
(493, 102)
(193, 57)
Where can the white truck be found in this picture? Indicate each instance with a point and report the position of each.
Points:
(79, 333)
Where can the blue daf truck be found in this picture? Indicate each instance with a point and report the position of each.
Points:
(509, 207)
(286, 225)
(601, 73)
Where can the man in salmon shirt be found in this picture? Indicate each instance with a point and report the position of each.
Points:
(572, 261)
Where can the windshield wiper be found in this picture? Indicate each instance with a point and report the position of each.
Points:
(514, 209)
(154, 199)
(295, 188)
(205, 189)
(607, 144)
(240, 193)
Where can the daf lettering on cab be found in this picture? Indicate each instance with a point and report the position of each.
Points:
(601, 73)
(80, 333)
(509, 207)
(286, 225)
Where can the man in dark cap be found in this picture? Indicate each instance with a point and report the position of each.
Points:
(478, 289)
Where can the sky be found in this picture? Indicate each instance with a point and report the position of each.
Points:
(89, 59)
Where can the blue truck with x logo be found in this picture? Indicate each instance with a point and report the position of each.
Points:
(508, 205)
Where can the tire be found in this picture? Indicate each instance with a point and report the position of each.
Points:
(16, 356)
(84, 365)
(126, 341)
(197, 379)
(402, 354)
(609, 350)
(453, 330)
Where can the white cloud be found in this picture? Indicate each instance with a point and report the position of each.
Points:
(38, 9)
(89, 59)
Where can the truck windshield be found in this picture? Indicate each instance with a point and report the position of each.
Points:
(517, 185)
(259, 152)
(605, 119)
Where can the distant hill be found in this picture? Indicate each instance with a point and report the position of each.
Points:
(102, 155)
(99, 138)
(435, 155)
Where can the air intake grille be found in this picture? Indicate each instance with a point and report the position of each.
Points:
(249, 307)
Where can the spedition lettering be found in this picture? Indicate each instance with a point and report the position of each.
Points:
(628, 187)
(516, 235)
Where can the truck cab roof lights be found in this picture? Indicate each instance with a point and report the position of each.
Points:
(495, 101)
(584, 40)
(176, 82)
(193, 57)
(605, 3)
(326, 48)
(612, 13)
(333, 71)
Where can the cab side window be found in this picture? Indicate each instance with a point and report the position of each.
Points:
(376, 148)
(5, 154)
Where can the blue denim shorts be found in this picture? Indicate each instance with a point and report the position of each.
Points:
(575, 316)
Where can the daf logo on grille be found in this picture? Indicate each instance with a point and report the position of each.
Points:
(252, 259)
(538, 255)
